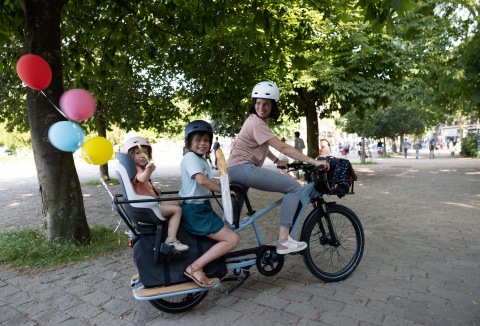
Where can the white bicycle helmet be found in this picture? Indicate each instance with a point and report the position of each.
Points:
(134, 142)
(266, 89)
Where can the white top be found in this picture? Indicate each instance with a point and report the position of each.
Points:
(191, 165)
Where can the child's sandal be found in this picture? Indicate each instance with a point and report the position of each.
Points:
(204, 280)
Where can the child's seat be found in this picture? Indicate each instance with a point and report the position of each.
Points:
(146, 213)
(145, 216)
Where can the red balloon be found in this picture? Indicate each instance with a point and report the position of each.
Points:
(34, 71)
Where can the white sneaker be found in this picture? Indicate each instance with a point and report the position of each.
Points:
(176, 244)
(290, 246)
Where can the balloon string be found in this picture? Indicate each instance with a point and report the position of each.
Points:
(55, 106)
(110, 193)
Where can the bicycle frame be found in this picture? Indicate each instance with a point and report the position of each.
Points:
(308, 192)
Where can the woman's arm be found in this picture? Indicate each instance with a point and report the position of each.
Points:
(290, 152)
(207, 183)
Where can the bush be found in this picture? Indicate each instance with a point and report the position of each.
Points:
(469, 146)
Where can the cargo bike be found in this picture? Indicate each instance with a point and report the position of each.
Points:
(333, 232)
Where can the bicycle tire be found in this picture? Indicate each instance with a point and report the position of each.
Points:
(325, 260)
(179, 303)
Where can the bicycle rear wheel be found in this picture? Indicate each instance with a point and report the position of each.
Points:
(333, 257)
(179, 303)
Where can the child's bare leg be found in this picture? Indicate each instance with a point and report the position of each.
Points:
(175, 214)
(227, 241)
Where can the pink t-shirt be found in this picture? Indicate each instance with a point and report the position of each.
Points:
(251, 144)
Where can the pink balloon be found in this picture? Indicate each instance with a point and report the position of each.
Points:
(78, 104)
(34, 71)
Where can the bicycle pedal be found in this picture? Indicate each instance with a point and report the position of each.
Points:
(295, 253)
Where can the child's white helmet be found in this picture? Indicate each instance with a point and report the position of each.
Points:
(266, 89)
(134, 142)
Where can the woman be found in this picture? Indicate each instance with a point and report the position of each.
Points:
(325, 149)
(248, 155)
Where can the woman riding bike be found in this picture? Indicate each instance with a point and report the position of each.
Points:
(248, 155)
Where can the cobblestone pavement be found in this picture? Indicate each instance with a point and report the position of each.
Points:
(421, 264)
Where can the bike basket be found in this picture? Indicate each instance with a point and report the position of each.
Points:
(338, 180)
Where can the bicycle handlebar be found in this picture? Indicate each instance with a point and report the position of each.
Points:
(297, 165)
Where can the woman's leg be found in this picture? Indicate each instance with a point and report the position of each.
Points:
(267, 180)
(227, 241)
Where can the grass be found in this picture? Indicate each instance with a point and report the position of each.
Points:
(384, 156)
(366, 163)
(27, 247)
(97, 182)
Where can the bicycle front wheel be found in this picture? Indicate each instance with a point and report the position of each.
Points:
(333, 257)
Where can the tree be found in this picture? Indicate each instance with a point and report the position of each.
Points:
(60, 191)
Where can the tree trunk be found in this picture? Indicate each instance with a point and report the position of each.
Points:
(312, 129)
(311, 116)
(60, 191)
(385, 146)
(102, 132)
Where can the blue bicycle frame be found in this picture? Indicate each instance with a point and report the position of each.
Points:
(237, 263)
(308, 192)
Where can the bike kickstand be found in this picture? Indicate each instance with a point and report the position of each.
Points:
(241, 279)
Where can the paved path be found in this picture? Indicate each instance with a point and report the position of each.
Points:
(421, 264)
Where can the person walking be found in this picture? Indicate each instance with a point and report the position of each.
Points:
(417, 146)
(452, 148)
(299, 144)
(432, 144)
(216, 146)
(405, 146)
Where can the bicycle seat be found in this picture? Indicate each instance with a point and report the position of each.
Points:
(238, 200)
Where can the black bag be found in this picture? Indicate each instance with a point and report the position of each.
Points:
(338, 180)
(169, 271)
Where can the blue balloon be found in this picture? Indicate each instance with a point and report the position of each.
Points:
(67, 136)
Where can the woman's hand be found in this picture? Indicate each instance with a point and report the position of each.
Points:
(282, 163)
(322, 162)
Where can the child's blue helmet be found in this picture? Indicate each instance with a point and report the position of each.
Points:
(198, 126)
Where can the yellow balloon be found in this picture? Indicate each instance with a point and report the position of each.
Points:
(97, 151)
